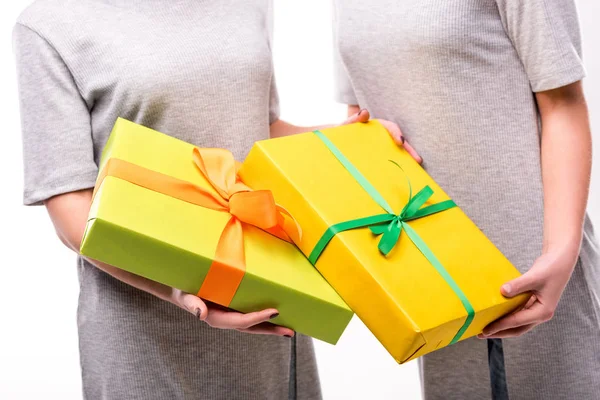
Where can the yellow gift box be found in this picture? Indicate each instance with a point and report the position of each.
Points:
(423, 276)
(179, 215)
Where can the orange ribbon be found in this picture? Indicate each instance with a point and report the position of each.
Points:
(232, 196)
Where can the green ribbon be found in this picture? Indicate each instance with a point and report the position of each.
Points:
(390, 226)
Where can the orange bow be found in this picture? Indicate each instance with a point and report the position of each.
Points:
(245, 206)
(256, 208)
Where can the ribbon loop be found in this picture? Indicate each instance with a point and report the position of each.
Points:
(432, 209)
(390, 237)
(220, 170)
(416, 202)
(379, 228)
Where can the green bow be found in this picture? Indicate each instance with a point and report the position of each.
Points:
(392, 230)
(391, 225)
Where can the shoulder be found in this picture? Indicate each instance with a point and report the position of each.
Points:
(47, 16)
(62, 25)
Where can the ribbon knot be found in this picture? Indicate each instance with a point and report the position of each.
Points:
(254, 208)
(392, 229)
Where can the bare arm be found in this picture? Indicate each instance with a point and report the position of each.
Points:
(69, 215)
(566, 166)
(566, 153)
(353, 109)
(281, 128)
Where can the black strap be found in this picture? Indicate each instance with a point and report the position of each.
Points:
(497, 369)
(292, 389)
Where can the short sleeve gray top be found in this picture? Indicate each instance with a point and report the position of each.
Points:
(459, 78)
(197, 70)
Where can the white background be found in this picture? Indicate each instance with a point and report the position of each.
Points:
(38, 297)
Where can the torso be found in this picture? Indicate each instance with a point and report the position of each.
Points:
(442, 73)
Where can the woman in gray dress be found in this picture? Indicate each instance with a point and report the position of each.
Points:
(197, 70)
(200, 71)
(489, 93)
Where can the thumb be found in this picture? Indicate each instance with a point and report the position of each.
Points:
(195, 305)
(527, 282)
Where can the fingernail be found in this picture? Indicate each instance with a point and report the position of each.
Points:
(506, 288)
(274, 316)
(198, 313)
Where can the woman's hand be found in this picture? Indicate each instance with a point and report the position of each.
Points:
(546, 281)
(363, 115)
(223, 318)
(69, 215)
(281, 128)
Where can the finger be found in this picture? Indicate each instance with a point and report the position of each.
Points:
(362, 115)
(514, 332)
(537, 313)
(269, 329)
(413, 153)
(394, 131)
(529, 281)
(396, 134)
(195, 305)
(227, 319)
(530, 302)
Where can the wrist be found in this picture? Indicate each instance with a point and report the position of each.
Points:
(566, 247)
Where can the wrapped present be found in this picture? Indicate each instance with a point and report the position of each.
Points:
(403, 256)
(179, 215)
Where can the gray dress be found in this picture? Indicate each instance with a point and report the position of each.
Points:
(459, 78)
(197, 70)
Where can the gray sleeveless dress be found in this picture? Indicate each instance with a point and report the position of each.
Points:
(195, 69)
(459, 78)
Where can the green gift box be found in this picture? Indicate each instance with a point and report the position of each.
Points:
(148, 217)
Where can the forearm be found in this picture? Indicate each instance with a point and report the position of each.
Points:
(566, 166)
(69, 215)
(159, 290)
(281, 128)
